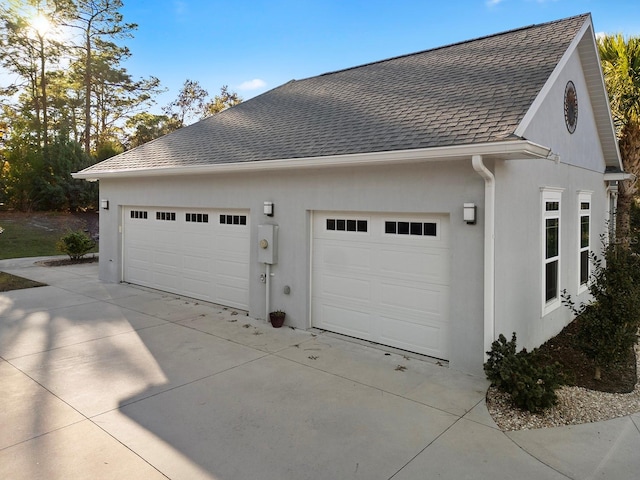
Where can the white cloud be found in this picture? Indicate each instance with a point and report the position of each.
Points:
(180, 7)
(493, 3)
(254, 84)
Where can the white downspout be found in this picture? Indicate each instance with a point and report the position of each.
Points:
(267, 292)
(489, 249)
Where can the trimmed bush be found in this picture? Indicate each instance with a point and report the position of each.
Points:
(531, 385)
(75, 244)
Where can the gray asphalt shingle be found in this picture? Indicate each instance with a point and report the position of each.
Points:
(472, 92)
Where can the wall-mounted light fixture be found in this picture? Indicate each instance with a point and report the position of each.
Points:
(268, 209)
(469, 213)
(104, 203)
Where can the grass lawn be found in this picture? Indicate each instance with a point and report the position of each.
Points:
(26, 240)
(11, 282)
(34, 235)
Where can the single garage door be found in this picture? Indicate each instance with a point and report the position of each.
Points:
(198, 253)
(383, 278)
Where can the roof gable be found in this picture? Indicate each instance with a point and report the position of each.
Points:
(584, 44)
(477, 91)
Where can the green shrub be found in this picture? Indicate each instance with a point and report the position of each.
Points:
(531, 385)
(609, 322)
(75, 244)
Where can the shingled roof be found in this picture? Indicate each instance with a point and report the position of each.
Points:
(471, 92)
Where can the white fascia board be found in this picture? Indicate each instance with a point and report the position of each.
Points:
(505, 150)
(618, 176)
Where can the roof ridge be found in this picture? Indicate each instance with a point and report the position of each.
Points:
(442, 47)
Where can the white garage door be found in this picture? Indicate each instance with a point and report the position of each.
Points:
(198, 253)
(383, 278)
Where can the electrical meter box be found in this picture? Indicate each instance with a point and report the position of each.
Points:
(268, 244)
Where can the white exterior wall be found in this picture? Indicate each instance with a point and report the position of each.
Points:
(435, 187)
(519, 236)
(430, 187)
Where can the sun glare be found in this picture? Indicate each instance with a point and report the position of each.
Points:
(41, 24)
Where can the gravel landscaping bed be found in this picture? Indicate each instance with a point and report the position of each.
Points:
(576, 405)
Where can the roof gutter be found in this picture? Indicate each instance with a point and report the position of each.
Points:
(504, 150)
(489, 249)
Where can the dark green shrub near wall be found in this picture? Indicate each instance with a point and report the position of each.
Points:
(75, 244)
(532, 386)
(609, 322)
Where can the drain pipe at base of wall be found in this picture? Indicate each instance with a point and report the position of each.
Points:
(489, 249)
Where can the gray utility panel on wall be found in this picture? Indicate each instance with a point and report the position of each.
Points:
(268, 244)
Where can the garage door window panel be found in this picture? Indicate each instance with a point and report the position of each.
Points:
(347, 225)
(139, 214)
(233, 219)
(197, 218)
(168, 216)
(427, 229)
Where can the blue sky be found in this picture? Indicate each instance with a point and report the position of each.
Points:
(255, 45)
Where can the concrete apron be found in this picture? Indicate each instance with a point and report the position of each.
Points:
(114, 381)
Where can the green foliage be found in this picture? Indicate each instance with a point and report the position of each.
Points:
(147, 126)
(75, 244)
(609, 322)
(38, 179)
(531, 385)
(620, 59)
(620, 62)
(192, 103)
(107, 149)
(221, 102)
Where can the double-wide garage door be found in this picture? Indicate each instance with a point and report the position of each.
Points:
(383, 278)
(199, 253)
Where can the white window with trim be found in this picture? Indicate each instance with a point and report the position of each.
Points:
(551, 244)
(584, 245)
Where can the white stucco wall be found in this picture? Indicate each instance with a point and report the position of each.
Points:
(435, 187)
(519, 259)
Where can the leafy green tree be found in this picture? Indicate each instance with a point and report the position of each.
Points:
(28, 48)
(620, 59)
(49, 109)
(221, 102)
(23, 166)
(147, 126)
(100, 24)
(55, 188)
(190, 104)
(193, 103)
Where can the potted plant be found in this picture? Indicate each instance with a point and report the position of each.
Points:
(277, 318)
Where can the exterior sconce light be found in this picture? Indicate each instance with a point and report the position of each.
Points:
(469, 213)
(268, 209)
(104, 204)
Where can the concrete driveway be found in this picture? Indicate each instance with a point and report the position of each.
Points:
(107, 381)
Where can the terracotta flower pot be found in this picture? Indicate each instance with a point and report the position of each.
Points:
(277, 319)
